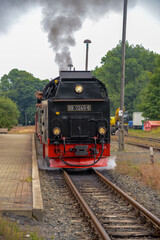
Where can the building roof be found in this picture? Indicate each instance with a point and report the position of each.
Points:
(153, 123)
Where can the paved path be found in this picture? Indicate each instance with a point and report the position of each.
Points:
(16, 173)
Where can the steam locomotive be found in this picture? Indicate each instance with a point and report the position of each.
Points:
(73, 123)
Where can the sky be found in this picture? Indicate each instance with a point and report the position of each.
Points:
(25, 44)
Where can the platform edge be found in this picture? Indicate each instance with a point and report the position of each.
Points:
(36, 189)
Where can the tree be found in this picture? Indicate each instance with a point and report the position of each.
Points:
(134, 90)
(9, 113)
(139, 63)
(150, 105)
(21, 86)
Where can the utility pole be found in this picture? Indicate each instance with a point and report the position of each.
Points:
(121, 112)
(87, 41)
(25, 118)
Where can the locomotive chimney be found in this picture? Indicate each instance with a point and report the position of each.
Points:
(87, 41)
(70, 66)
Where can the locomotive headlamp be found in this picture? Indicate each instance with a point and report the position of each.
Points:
(56, 131)
(79, 89)
(102, 130)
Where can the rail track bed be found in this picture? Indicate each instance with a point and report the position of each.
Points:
(143, 142)
(113, 214)
(62, 218)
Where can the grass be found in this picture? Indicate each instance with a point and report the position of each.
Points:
(155, 133)
(29, 179)
(146, 172)
(22, 130)
(10, 231)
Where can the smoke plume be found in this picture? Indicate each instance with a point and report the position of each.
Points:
(11, 10)
(111, 164)
(62, 18)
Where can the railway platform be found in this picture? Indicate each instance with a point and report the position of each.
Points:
(19, 179)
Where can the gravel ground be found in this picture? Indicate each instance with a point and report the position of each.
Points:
(132, 153)
(62, 220)
(150, 199)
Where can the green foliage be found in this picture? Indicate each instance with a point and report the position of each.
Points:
(150, 105)
(9, 113)
(139, 64)
(11, 231)
(29, 179)
(34, 236)
(21, 86)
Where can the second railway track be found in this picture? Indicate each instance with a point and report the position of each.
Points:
(113, 214)
(146, 138)
(143, 142)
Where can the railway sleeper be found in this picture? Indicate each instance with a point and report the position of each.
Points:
(133, 234)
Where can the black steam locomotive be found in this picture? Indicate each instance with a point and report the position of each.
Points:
(73, 123)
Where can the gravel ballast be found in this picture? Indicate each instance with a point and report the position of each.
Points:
(143, 194)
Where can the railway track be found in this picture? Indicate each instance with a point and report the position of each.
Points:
(62, 218)
(143, 142)
(113, 214)
(157, 140)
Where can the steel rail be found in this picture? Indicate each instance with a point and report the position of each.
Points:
(138, 144)
(146, 213)
(157, 140)
(97, 225)
(142, 146)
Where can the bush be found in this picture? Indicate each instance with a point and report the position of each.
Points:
(9, 113)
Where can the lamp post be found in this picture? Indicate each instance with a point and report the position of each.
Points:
(121, 128)
(70, 66)
(87, 42)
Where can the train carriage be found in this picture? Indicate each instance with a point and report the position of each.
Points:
(74, 121)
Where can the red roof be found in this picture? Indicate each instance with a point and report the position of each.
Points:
(153, 123)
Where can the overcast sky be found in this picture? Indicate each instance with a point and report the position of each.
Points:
(25, 45)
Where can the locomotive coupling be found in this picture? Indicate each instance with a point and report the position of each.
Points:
(80, 150)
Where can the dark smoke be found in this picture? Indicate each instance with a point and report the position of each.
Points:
(62, 18)
(11, 10)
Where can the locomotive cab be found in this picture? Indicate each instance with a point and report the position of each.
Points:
(75, 122)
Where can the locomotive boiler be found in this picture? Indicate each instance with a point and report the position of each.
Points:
(73, 123)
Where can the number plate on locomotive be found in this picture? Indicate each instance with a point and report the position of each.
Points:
(78, 107)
